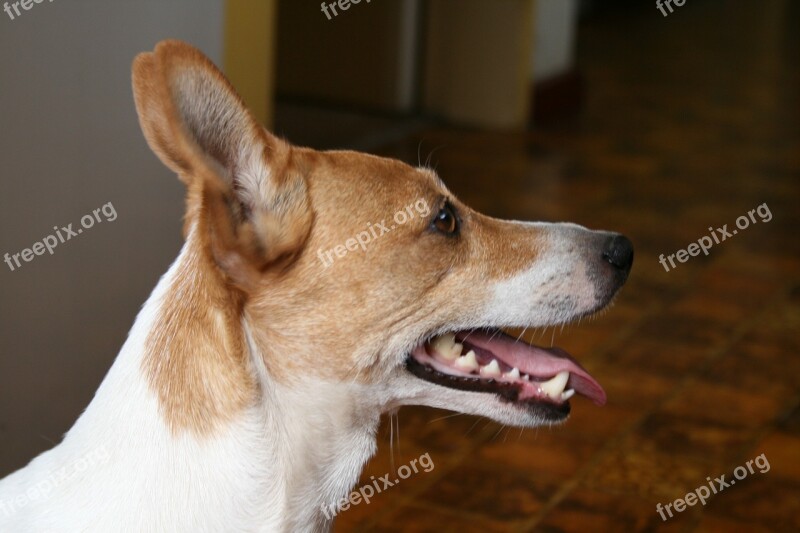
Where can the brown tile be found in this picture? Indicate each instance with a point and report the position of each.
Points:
(718, 524)
(790, 423)
(494, 491)
(668, 357)
(596, 510)
(729, 405)
(762, 499)
(675, 328)
(680, 158)
(542, 453)
(431, 519)
(634, 385)
(782, 451)
(666, 456)
(722, 309)
(733, 282)
(592, 424)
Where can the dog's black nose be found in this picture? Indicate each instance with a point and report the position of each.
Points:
(618, 251)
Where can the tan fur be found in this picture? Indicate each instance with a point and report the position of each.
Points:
(196, 363)
(258, 256)
(196, 359)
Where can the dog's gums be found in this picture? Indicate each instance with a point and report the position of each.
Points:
(494, 362)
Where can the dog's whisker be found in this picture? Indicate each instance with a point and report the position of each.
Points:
(521, 334)
(397, 421)
(391, 441)
(472, 426)
(498, 432)
(430, 155)
(445, 417)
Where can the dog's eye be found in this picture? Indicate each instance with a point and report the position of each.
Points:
(446, 220)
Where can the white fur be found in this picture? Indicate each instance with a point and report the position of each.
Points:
(275, 467)
(270, 470)
(552, 290)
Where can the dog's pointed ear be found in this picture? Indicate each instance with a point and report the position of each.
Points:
(245, 187)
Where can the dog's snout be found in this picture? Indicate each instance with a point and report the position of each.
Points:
(618, 251)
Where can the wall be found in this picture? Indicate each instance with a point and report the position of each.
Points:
(556, 24)
(69, 143)
(476, 63)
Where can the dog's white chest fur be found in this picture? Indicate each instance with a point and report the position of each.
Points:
(121, 469)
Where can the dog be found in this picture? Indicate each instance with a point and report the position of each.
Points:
(249, 391)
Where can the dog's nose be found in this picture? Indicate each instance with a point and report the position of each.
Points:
(618, 251)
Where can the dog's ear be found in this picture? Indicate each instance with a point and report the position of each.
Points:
(245, 189)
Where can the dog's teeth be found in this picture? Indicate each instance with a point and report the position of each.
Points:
(526, 377)
(492, 370)
(567, 394)
(467, 362)
(555, 386)
(514, 374)
(447, 347)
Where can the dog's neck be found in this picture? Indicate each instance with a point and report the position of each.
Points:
(318, 437)
(273, 465)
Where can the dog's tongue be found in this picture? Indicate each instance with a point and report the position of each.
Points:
(542, 363)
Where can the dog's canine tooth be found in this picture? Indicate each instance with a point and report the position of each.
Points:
(514, 374)
(555, 386)
(567, 394)
(467, 362)
(526, 377)
(491, 370)
(447, 347)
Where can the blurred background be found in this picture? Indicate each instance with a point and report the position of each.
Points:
(612, 114)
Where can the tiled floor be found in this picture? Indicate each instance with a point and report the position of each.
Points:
(690, 122)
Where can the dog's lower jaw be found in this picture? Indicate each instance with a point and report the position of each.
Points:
(485, 404)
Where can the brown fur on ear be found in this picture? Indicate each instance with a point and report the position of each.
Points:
(244, 189)
(244, 244)
(157, 114)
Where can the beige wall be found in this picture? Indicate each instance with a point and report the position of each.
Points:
(70, 143)
(250, 40)
(359, 57)
(477, 61)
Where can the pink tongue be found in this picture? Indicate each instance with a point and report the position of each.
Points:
(542, 363)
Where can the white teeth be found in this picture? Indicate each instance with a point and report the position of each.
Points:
(447, 347)
(555, 386)
(567, 394)
(467, 362)
(492, 370)
(526, 377)
(514, 374)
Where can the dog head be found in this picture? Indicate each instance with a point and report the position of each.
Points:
(355, 269)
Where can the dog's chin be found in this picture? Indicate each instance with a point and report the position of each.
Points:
(489, 373)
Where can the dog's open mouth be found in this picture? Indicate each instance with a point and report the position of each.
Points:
(494, 362)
